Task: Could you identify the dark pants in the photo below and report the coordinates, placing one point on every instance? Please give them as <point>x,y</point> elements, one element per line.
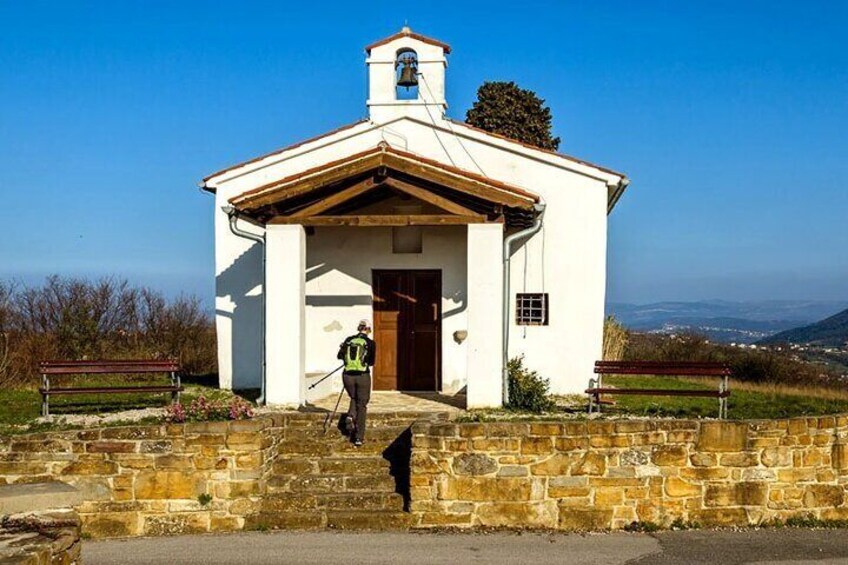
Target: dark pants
<point>358,388</point>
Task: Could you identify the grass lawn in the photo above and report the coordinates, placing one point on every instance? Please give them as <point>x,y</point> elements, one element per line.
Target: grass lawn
<point>747,400</point>
<point>19,407</point>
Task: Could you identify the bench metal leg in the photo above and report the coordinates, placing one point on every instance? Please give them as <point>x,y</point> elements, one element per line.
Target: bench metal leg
<point>176,380</point>
<point>45,397</point>
<point>591,396</point>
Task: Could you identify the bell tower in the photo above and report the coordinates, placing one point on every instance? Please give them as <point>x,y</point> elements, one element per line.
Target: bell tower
<point>406,77</point>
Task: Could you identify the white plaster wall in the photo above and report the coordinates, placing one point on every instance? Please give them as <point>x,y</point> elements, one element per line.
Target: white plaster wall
<point>485,279</point>
<point>238,304</point>
<point>339,263</point>
<point>285,319</point>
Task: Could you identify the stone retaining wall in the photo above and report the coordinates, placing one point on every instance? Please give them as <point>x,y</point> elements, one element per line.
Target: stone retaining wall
<point>151,480</point>
<point>609,474</point>
<point>164,479</point>
<point>51,536</point>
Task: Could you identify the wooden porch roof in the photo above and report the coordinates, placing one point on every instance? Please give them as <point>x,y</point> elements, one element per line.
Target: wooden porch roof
<point>325,195</point>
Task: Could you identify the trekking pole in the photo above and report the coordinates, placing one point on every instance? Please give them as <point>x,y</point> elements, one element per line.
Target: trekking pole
<point>325,377</point>
<point>336,409</point>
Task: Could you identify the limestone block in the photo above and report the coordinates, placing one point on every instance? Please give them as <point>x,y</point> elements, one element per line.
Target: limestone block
<point>669,455</point>
<point>592,463</point>
<point>496,445</point>
<point>634,457</point>
<point>534,514</point>
<point>536,445</point>
<point>742,459</point>
<point>167,485</point>
<point>90,467</point>
<point>816,496</point>
<point>738,494</point>
<point>133,432</point>
<point>485,489</point>
<point>469,430</point>
<point>776,457</point>
<point>513,471</point>
<point>839,457</point>
<point>609,497</point>
<point>713,517</point>
<point>111,524</point>
<point>722,436</point>
<point>474,464</point>
<point>571,443</point>
<point>111,447</point>
<point>430,519</point>
<point>173,523</point>
<point>676,487</point>
<point>558,464</point>
<point>699,459</point>
<point>585,519</point>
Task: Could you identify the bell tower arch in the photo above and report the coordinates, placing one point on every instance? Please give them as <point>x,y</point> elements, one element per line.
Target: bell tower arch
<point>406,77</point>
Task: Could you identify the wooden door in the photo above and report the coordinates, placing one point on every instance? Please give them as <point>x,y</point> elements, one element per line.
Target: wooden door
<point>407,329</point>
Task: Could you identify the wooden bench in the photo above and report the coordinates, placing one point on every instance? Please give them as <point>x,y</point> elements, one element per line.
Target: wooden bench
<point>60,368</point>
<point>683,369</point>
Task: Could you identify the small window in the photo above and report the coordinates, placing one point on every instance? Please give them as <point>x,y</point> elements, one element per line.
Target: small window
<point>531,309</point>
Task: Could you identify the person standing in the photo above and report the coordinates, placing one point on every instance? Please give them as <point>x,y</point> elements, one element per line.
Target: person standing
<point>358,353</point>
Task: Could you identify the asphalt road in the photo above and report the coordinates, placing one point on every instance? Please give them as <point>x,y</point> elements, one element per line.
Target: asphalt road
<point>776,547</point>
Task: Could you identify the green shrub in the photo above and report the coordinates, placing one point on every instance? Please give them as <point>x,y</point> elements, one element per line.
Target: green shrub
<point>527,390</point>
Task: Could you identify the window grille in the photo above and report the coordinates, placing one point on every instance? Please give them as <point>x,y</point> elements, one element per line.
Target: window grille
<point>531,309</point>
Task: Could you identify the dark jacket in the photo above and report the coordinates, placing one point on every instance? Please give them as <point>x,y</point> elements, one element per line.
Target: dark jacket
<point>370,353</point>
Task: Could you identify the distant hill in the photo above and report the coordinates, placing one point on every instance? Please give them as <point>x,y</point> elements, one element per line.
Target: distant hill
<point>723,321</point>
<point>830,331</point>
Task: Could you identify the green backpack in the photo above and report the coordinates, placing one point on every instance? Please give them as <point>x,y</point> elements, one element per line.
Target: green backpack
<point>356,351</point>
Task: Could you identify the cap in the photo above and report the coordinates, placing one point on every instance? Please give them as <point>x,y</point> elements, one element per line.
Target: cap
<point>364,324</point>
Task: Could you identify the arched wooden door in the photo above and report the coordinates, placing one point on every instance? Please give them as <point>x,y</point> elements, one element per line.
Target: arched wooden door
<point>407,329</point>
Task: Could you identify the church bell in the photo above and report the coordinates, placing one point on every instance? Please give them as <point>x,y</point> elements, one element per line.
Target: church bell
<point>408,74</point>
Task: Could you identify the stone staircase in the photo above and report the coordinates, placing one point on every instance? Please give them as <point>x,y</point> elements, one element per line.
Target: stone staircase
<point>321,480</point>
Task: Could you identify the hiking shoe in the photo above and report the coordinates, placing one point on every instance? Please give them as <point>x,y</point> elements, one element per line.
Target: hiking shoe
<point>349,426</point>
<point>357,443</point>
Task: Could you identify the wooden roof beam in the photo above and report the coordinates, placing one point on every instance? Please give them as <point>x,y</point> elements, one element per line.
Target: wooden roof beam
<point>430,197</point>
<point>335,199</point>
<point>377,220</point>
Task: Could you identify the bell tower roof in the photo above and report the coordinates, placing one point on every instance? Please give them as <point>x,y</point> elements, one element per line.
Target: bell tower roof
<point>406,77</point>
<point>407,32</point>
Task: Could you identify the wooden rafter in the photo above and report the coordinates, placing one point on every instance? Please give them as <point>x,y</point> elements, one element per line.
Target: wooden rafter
<point>335,199</point>
<point>273,194</point>
<point>429,196</point>
<point>387,159</point>
<point>376,220</point>
<point>453,181</point>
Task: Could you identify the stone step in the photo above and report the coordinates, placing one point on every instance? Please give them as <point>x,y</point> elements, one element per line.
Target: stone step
<point>308,502</point>
<point>338,519</point>
<point>361,501</point>
<point>369,520</point>
<point>375,419</point>
<point>286,520</point>
<point>384,434</point>
<point>355,464</point>
<point>328,446</point>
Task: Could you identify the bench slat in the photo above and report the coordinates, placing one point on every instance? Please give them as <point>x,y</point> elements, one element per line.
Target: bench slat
<point>105,390</point>
<point>659,392</point>
<point>664,371</point>
<point>105,368</point>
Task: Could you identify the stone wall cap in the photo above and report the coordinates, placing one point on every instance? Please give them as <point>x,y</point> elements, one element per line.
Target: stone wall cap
<point>37,497</point>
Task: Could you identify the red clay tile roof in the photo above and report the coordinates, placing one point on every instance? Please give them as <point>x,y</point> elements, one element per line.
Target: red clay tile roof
<point>558,154</point>
<point>386,149</point>
<point>406,32</point>
<point>287,148</point>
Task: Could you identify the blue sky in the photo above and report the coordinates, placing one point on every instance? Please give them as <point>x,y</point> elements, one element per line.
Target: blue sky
<point>731,118</point>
